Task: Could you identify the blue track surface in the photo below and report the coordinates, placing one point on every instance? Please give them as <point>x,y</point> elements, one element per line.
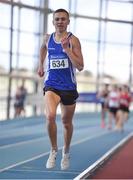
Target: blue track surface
<point>24,146</point>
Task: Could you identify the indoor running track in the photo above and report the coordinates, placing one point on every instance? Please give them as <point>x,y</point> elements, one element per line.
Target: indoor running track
<point>24,146</point>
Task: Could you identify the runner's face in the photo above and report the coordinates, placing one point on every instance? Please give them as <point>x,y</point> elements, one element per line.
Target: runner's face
<point>60,21</point>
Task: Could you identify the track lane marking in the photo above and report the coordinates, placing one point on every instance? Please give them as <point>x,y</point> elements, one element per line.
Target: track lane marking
<point>100,160</point>
<point>46,153</point>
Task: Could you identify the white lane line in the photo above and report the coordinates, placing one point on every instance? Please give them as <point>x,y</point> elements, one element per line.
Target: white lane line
<point>44,171</point>
<point>21,143</point>
<point>90,137</point>
<point>86,172</point>
<point>22,162</point>
<point>46,153</point>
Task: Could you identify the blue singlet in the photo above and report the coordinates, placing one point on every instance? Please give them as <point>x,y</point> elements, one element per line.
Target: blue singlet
<point>60,73</point>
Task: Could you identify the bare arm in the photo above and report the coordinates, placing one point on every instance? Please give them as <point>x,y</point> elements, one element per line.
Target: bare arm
<point>75,54</point>
<point>42,56</point>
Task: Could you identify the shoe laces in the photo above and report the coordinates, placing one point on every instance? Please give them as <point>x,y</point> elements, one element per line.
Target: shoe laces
<point>66,156</point>
<point>52,154</point>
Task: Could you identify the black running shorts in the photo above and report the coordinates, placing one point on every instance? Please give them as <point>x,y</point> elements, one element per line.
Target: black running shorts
<point>67,97</point>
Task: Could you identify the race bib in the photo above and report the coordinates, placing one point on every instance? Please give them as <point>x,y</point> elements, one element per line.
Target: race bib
<point>58,63</point>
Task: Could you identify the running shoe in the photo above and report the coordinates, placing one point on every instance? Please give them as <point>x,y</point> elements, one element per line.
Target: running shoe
<point>119,129</point>
<point>51,160</point>
<point>65,162</point>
